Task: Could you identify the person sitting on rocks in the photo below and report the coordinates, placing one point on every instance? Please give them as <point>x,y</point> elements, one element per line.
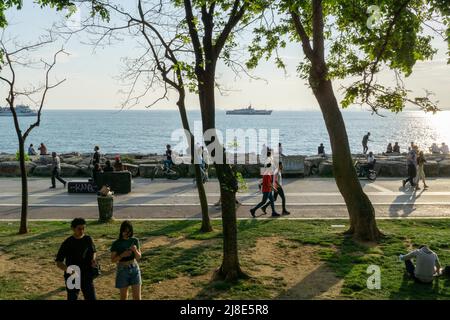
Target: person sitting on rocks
<point>118,166</point>
<point>444,148</point>
<point>434,148</point>
<point>389,148</point>
<point>31,151</point>
<point>396,148</point>
<point>108,167</point>
<point>427,264</point>
<point>43,149</point>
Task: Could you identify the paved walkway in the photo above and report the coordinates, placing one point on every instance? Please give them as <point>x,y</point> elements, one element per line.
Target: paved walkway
<point>309,198</point>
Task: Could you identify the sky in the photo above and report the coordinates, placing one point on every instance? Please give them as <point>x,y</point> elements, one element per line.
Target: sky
<point>93,77</point>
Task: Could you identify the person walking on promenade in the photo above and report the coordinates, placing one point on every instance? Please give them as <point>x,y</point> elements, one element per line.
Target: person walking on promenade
<point>43,149</point>
<point>31,151</point>
<point>321,150</point>
<point>56,171</point>
<point>263,155</point>
<point>266,189</point>
<point>396,148</point>
<point>427,264</point>
<point>412,169</point>
<point>125,251</point>
<point>421,172</point>
<point>365,140</point>
<point>278,190</point>
<point>76,257</point>
<point>95,173</point>
<point>169,161</point>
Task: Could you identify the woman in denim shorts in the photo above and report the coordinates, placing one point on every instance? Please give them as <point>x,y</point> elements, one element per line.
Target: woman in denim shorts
<point>125,251</point>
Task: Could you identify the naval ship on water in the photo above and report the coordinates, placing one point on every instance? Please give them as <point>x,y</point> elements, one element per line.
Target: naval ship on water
<point>249,111</point>
<point>21,111</point>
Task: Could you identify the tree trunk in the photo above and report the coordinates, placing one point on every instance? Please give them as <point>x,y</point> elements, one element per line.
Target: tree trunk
<point>230,269</point>
<point>362,214</point>
<point>206,223</point>
<point>23,171</point>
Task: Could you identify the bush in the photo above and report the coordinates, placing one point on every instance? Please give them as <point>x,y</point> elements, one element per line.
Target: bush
<point>27,158</point>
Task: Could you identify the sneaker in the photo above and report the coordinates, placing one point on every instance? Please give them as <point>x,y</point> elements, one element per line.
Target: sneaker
<point>264,210</point>
<point>275,214</point>
<point>417,188</point>
<point>285,213</point>
<point>425,187</point>
<point>252,212</point>
<point>65,184</point>
<point>403,183</point>
<point>52,187</point>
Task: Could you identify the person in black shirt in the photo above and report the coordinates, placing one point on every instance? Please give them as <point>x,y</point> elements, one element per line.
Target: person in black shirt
<point>321,150</point>
<point>78,252</point>
<point>95,159</point>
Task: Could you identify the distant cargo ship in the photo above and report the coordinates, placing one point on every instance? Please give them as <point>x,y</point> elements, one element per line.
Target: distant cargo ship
<point>249,111</point>
<point>21,111</point>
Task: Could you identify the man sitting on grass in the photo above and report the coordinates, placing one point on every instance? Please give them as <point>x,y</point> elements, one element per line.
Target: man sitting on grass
<point>427,264</point>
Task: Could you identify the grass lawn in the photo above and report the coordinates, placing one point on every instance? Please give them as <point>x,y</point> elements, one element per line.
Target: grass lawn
<point>286,259</point>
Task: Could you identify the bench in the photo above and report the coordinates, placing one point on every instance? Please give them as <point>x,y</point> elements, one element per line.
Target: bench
<point>81,187</point>
<point>118,181</point>
<point>293,165</point>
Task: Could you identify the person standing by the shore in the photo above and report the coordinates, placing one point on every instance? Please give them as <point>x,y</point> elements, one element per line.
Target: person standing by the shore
<point>421,174</point>
<point>412,169</point>
<point>321,150</point>
<point>365,140</point>
<point>95,159</point>
<point>125,251</point>
<point>56,171</point>
<point>266,189</point>
<point>78,251</point>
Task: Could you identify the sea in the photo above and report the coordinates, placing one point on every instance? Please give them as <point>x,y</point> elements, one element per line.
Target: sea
<point>148,131</point>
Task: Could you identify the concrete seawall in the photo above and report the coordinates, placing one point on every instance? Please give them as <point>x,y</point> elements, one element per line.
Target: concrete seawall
<point>76,165</point>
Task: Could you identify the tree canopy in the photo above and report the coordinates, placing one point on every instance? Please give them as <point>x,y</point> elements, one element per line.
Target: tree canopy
<point>360,41</point>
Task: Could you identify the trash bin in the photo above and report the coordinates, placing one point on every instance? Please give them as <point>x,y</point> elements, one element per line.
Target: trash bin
<point>105,208</point>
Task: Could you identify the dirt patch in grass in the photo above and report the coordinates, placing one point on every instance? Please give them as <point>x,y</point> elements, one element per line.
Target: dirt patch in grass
<point>296,268</point>
<point>288,269</point>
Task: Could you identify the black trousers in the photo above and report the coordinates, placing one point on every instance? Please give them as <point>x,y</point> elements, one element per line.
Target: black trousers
<point>412,172</point>
<point>277,193</point>
<point>56,174</point>
<point>86,286</point>
<point>410,268</point>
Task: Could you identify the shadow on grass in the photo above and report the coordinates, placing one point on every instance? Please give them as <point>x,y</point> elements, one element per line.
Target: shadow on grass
<point>313,285</point>
<point>410,289</point>
<point>50,294</point>
<point>27,238</point>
